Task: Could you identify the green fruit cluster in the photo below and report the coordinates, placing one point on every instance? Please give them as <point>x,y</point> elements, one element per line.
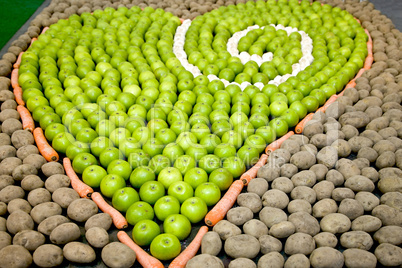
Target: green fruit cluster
<point>113,97</point>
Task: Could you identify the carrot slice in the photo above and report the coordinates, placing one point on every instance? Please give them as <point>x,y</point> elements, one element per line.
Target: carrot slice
<point>81,188</point>
<point>18,61</point>
<point>252,172</point>
<point>219,211</point>
<point>26,118</point>
<point>277,144</point>
<point>44,148</point>
<point>118,219</point>
<point>143,257</point>
<point>300,126</point>
<point>14,78</point>
<point>18,95</point>
<point>181,260</point>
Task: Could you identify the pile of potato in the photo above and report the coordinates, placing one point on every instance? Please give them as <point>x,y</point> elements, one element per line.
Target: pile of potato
<point>331,197</point>
<point>42,219</point>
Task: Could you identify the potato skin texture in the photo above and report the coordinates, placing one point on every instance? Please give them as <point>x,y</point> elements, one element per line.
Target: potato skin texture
<point>116,255</point>
<point>15,256</point>
<point>211,243</point>
<point>48,255</point>
<point>79,252</point>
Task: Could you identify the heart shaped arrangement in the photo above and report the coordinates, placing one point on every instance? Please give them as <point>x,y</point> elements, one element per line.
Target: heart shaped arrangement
<point>162,116</point>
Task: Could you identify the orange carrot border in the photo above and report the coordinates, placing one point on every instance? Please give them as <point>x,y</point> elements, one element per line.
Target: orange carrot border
<point>218,212</point>
<point>80,187</point>
<point>44,148</point>
<point>26,118</point>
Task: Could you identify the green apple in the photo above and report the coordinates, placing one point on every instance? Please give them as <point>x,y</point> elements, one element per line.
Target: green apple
<point>177,225</point>
<point>166,206</point>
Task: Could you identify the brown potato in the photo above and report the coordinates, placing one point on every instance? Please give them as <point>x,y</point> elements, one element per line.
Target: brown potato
<point>304,178</point>
<point>324,207</point>
<point>15,256</point>
<point>272,259</point>
<point>21,138</point>
<point>97,237</point>
<point>282,230</point>
<point>19,204</point>
<point>326,257</point>
<point>251,201</point>
<point>32,182</point>
<point>347,168</point>
<point>335,177</point>
<point>52,168</point>
<point>275,198</point>
<point>79,252</point>
<point>48,255</point>
<point>368,200</point>
<point>47,226</point>
<point>211,243</point>
<point>299,243</point>
<point>258,186</point>
<point>389,255</point>
<point>351,208</point>
<point>388,215</point>
<point>305,193</point>
<point>242,246</point>
<point>392,199</point>
<point>320,171</point>
<point>64,196</point>
<point>3,208</point>
<point>65,233</point>
<point>305,223</point>
<point>299,205</point>
<point>21,171</point>
<point>29,239</point>
<point>356,239</point>
<point>269,243</point>
<point>102,220</point>
<point>283,184</point>
<point>288,170</point>
<point>226,229</point>
<point>366,223</point>
<point>297,260</point>
<point>335,223</point>
<point>39,196</point>
<point>356,258</point>
<point>5,180</point>
<point>271,216</point>
<point>389,234</point>
<point>205,261</point>
<point>6,151</point>
<point>5,239</point>
<point>26,150</point>
<point>82,209</point>
<point>45,210</point>
<point>325,239</point>
<point>19,221</point>
<point>255,228</point>
<point>303,160</point>
<point>35,160</point>
<point>118,255</point>
<point>242,263</point>
<point>57,181</point>
<point>323,189</point>
<point>11,192</point>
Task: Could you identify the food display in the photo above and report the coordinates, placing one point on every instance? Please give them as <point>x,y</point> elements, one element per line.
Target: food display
<point>202,134</point>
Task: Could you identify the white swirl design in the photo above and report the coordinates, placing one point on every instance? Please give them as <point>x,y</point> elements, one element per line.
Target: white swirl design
<point>305,60</point>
